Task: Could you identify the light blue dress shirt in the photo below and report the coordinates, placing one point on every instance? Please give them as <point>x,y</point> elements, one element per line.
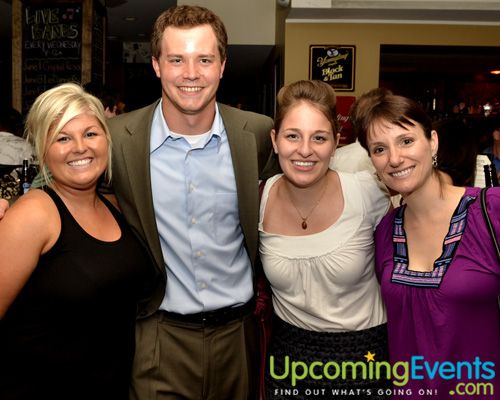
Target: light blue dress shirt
<point>196,210</point>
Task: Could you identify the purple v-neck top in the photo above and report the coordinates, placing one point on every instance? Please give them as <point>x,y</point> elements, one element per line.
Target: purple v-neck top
<point>449,315</point>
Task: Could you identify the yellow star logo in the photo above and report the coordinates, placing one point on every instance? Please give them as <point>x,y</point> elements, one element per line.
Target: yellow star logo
<point>370,356</point>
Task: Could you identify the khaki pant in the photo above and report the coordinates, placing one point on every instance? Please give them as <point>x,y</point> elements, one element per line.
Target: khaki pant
<point>176,360</point>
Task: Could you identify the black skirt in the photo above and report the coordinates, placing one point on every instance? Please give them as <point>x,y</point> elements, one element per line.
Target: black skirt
<point>304,364</point>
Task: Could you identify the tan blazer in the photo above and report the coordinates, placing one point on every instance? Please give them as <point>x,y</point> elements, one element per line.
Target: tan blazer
<point>251,151</point>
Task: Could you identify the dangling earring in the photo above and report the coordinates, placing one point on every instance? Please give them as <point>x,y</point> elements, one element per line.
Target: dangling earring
<point>434,161</point>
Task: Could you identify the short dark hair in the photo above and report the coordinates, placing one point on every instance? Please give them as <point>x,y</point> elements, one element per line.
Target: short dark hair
<point>495,126</point>
<point>188,17</point>
<point>107,96</point>
<point>11,121</point>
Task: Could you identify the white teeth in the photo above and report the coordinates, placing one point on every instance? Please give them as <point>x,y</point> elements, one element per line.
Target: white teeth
<point>78,163</point>
<point>190,88</point>
<point>304,163</point>
<point>401,173</point>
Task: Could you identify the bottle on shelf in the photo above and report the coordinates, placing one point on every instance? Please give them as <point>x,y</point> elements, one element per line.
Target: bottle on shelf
<point>490,175</point>
<point>24,181</point>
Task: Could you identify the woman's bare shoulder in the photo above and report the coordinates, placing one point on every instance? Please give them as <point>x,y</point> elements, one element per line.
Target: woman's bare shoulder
<point>33,215</point>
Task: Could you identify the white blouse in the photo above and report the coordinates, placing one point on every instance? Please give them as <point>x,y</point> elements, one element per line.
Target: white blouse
<point>326,281</point>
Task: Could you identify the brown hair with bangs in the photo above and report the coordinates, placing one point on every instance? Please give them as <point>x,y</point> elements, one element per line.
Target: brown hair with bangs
<point>382,105</point>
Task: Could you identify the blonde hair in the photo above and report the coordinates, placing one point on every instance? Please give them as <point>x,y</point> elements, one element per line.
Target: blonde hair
<point>51,111</point>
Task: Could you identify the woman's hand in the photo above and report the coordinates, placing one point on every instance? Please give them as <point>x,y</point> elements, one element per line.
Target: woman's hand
<point>4,206</point>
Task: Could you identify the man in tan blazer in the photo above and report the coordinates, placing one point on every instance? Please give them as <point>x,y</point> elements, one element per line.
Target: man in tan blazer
<point>186,172</point>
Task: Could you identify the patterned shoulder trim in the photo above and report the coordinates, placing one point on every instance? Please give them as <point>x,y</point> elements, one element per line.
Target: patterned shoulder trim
<point>432,279</point>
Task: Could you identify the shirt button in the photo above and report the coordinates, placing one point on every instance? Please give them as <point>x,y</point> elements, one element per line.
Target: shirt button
<point>203,285</point>
<point>191,188</point>
<point>193,220</point>
<point>199,253</point>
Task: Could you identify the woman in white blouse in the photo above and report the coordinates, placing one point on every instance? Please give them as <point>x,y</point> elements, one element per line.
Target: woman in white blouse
<point>316,245</point>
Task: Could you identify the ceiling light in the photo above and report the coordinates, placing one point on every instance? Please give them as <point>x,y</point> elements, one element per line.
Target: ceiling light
<point>495,72</point>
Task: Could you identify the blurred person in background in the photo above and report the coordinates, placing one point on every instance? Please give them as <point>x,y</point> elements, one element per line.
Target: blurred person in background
<point>353,157</point>
<point>108,98</point>
<point>457,151</point>
<point>13,148</point>
<point>493,151</point>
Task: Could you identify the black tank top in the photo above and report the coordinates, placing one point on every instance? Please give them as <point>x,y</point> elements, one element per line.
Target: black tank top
<point>70,332</point>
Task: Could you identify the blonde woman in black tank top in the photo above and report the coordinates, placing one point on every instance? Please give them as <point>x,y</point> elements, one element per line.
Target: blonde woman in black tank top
<point>71,270</point>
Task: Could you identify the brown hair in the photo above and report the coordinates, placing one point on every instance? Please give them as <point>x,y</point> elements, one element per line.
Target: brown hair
<point>318,93</point>
<point>381,104</point>
<point>188,17</point>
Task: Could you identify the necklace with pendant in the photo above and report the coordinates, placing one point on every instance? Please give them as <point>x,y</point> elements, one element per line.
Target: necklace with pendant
<point>304,219</point>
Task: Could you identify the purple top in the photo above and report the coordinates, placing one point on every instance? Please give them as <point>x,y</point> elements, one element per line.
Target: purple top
<point>449,315</point>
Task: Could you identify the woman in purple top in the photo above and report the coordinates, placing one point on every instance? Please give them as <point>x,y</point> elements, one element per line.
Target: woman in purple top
<point>435,260</point>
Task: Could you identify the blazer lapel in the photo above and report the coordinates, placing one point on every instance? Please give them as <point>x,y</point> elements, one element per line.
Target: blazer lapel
<point>244,156</point>
<point>135,149</point>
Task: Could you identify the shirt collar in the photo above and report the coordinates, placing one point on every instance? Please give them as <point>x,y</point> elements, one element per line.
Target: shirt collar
<point>160,131</point>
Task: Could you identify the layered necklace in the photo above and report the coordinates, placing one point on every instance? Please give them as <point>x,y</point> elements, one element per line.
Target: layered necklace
<point>304,218</point>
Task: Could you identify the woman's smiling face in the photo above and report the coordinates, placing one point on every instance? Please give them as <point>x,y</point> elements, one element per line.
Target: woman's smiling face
<point>304,144</point>
<point>79,154</point>
<point>402,155</point>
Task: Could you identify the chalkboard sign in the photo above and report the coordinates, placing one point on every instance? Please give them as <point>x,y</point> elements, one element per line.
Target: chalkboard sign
<point>333,64</point>
<point>98,43</point>
<point>51,47</point>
